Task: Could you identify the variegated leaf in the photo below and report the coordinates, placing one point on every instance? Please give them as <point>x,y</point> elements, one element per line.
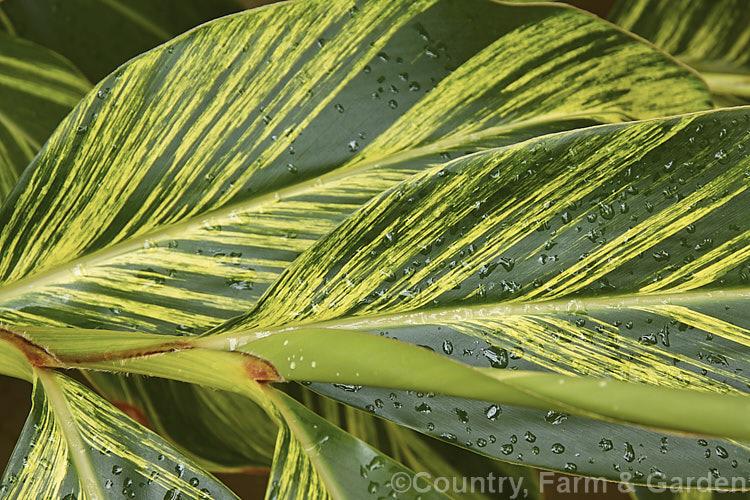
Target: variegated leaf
<point>173,213</point>
<point>76,445</point>
<point>712,37</point>
<point>316,460</point>
<point>37,89</point>
<point>169,214</point>
<point>614,252</point>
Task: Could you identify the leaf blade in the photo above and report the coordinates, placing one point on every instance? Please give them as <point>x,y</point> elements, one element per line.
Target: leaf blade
<point>105,444</point>
<point>518,260</point>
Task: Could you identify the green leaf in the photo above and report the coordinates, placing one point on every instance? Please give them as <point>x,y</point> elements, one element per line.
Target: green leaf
<point>175,205</point>
<point>419,452</point>
<point>221,430</point>
<point>315,459</point>
<point>12,360</point>
<point>76,445</point>
<point>171,213</point>
<point>615,252</point>
<point>98,36</point>
<point>712,37</point>
<point>374,361</point>
<point>38,88</point>
<point>306,464</point>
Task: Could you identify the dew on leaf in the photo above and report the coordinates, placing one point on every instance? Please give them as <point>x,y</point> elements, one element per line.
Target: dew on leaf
<point>555,418</point>
<point>493,411</point>
<point>423,408</point>
<point>629,455</point>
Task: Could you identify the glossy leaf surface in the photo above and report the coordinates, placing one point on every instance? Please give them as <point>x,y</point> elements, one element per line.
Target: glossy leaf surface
<point>315,459</point>
<point>173,213</point>
<point>613,252</point>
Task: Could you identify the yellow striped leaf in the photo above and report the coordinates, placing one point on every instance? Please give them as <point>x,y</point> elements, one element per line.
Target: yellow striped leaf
<point>171,213</point>
<point>316,460</point>
<point>712,37</point>
<point>179,189</point>
<point>615,252</point>
<point>37,89</point>
<point>76,445</point>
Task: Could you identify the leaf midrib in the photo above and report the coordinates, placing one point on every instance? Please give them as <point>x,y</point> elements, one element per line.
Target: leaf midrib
<point>59,272</point>
<point>299,433</point>
<point>77,451</point>
<point>464,313</point>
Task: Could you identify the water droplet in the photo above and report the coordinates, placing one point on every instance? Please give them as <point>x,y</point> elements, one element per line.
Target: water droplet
<point>722,156</point>
<point>116,470</point>
<point>339,108</point>
<point>555,418</point>
<point>506,449</point>
<point>629,455</point>
<point>606,444</point>
<point>661,256</point>
<point>721,452</point>
<point>423,408</point>
<point>557,448</point>
<point>529,436</point>
<point>571,467</point>
<point>493,412</point>
<point>463,417</point>
<point>376,463</point>
<point>447,347</point>
<point>414,86</point>
<point>392,104</point>
<point>353,146</point>
<point>348,387</point>
<point>173,494</point>
<point>497,356</point>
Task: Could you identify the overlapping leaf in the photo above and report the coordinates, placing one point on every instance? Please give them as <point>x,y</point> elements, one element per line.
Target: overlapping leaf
<point>76,445</point>
<point>100,35</point>
<point>37,89</point>
<point>161,212</point>
<point>314,459</point>
<point>713,37</point>
<point>153,211</point>
<point>221,430</point>
<point>614,252</point>
<point>422,453</point>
